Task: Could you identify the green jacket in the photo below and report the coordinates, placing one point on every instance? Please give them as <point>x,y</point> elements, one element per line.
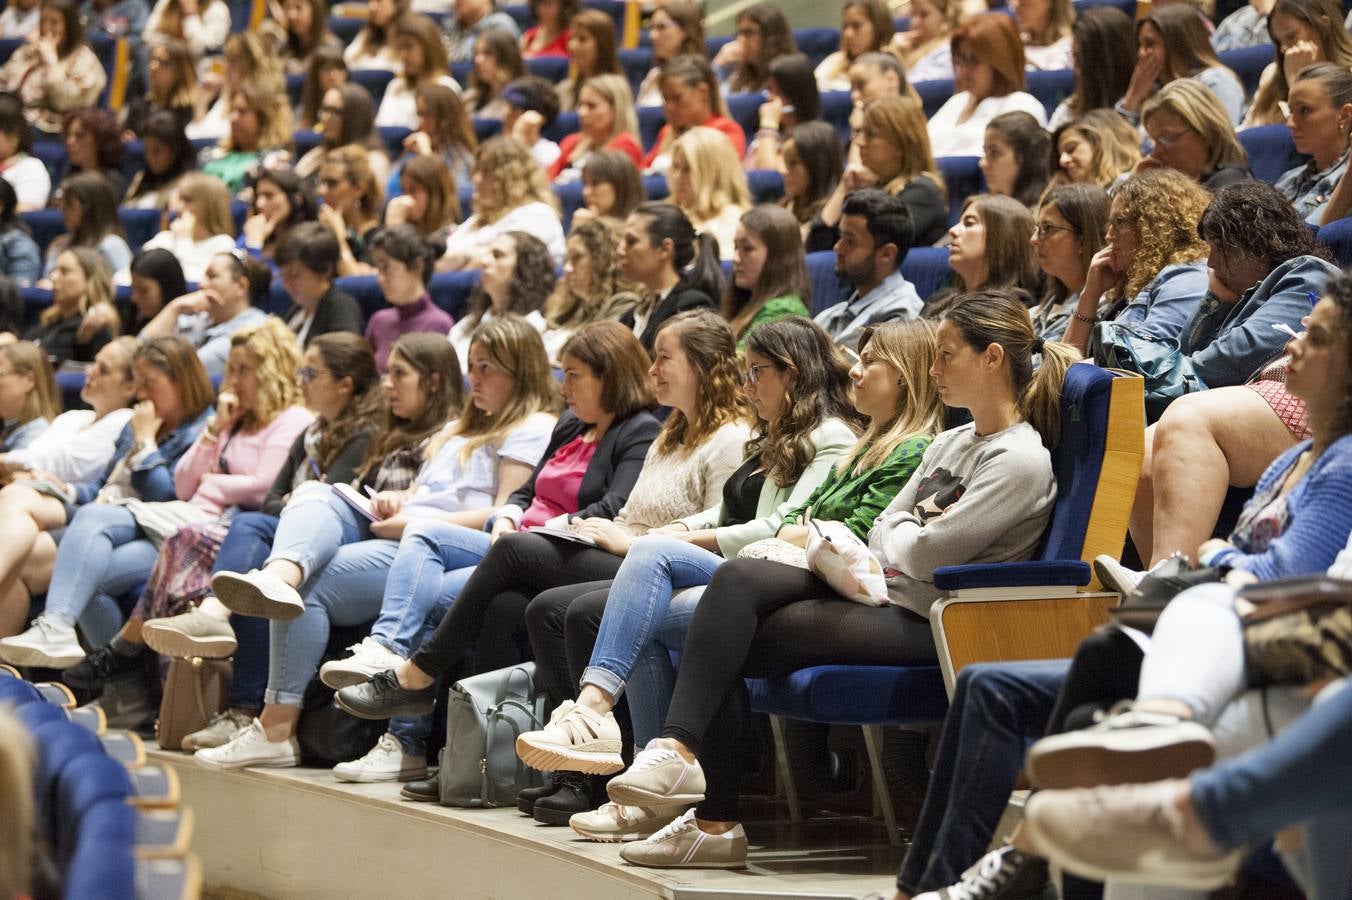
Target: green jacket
<point>774,308</point>
<point>858,498</point>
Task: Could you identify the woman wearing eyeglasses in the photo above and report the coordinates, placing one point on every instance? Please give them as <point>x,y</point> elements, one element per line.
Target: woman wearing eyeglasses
<point>110,548</point>
<point>1191,133</point>
<point>346,116</point>
<point>1069,231</point>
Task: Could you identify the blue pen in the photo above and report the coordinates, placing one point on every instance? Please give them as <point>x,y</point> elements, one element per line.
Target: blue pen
<point>314,467</point>
<point>1314,298</point>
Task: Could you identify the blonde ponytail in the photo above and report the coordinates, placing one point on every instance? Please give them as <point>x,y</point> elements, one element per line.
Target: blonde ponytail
<point>16,807</point>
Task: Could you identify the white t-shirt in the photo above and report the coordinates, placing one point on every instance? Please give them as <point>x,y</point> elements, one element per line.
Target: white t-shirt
<point>948,138</point>
<point>446,484</point>
<point>74,448</point>
<point>32,184</point>
<point>399,106</point>
<point>536,218</point>
<point>192,255</point>
<point>15,23</point>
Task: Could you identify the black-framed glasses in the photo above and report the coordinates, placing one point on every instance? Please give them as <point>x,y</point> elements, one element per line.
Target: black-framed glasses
<point>330,110</point>
<point>1044,230</point>
<point>307,374</point>
<point>752,373</point>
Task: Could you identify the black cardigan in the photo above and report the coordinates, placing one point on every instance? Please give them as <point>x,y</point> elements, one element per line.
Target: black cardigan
<point>341,471</point>
<point>337,311</point>
<point>613,469</point>
<point>678,301</point>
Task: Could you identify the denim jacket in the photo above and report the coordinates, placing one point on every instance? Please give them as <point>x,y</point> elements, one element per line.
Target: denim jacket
<point>1228,342</point>
<point>153,475</point>
<point>1310,190</point>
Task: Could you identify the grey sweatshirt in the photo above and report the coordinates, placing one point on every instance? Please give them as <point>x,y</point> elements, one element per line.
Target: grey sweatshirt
<point>973,500</point>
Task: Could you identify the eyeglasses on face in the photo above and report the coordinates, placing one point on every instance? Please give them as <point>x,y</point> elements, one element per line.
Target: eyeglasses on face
<point>307,374</point>
<point>752,373</point>
<point>1044,230</point>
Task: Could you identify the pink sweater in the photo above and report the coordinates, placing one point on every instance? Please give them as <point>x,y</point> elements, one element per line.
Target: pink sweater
<point>252,462</point>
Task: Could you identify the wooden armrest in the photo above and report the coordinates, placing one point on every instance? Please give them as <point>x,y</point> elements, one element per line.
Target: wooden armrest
<point>986,629</point>
<point>57,693</point>
<point>91,718</point>
<point>163,833</point>
<point>169,879</point>
<point>156,787</point>
<point>6,669</point>
<point>125,747</point>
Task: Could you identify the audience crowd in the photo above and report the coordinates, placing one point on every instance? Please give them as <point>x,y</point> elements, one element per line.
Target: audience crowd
<point>483,338</point>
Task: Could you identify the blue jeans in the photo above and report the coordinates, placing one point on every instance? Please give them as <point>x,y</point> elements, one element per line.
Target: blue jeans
<point>429,553</point>
<point>1300,776</point>
<point>655,567</point>
<point>412,731</point>
<point>347,592</point>
<point>654,676</point>
<point>996,712</point>
<point>103,555</point>
<point>312,528</point>
<point>245,547</point>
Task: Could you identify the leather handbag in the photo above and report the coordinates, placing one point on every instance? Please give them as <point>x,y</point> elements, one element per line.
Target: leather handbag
<point>195,690</point>
<point>484,715</point>
<point>1168,373</point>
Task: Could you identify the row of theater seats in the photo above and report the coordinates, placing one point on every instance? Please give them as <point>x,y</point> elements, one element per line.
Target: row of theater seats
<point>113,824</point>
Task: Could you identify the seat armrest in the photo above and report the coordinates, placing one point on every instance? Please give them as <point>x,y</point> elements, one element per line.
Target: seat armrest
<point>1012,574</point>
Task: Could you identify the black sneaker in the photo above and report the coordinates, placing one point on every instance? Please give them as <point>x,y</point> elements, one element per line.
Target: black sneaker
<point>1002,874</point>
<point>383,698</point>
<point>526,798</point>
<point>427,790</point>
<point>576,793</point>
<point>101,665</point>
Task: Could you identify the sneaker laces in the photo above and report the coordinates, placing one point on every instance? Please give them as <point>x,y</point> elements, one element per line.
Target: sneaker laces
<point>990,873</point>
<point>675,827</point>
<point>47,627</point>
<point>388,745</point>
<point>652,757</point>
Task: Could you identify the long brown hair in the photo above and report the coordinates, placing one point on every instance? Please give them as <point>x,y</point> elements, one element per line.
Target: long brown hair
<point>443,202</point>
<point>616,357</point>
<point>43,401</point>
<point>177,360</point>
<point>711,349</point>
<point>784,273</point>
<point>438,367</point>
<point>820,390</point>
<point>347,355</point>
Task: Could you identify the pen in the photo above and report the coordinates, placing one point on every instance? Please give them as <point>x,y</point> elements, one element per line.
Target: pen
<point>314,467</point>
<point>1314,298</point>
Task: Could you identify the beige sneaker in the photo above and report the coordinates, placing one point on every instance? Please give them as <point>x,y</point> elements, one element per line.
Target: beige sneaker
<point>616,822</point>
<point>660,776</point>
<point>218,731</point>
<point>257,593</point>
<point>193,633</point>
<point>577,739</point>
<point>682,845</point>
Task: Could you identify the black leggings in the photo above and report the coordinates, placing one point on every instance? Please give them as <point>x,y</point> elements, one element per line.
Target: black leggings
<point>517,568</point>
<point>761,619</point>
<point>563,623</point>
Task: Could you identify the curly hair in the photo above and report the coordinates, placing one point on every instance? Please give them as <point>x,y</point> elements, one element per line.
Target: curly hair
<point>1253,219</point>
<point>102,126</point>
<point>1339,290</point>
<point>532,280</point>
<point>1165,207</point>
<point>711,350</point>
<point>515,177</point>
<point>347,355</point>
<point>599,239</point>
<point>820,390</point>
<point>276,355</point>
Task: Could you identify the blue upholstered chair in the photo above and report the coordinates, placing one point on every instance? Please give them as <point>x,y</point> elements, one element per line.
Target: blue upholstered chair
<point>570,200</point>
<point>650,122</point>
<point>962,175</point>
<point>551,68</point>
<point>744,109</point>
<point>374,80</point>
<point>52,154</point>
<point>346,28</point>
<point>836,108</point>
<point>140,225</point>
<point>393,138</point>
<point>15,692</point>
<point>1128,7</point>
<point>1271,151</point>
<point>827,289</point>
<point>926,268</point>
<point>767,185</point>
<point>1003,611</point>
<point>1248,63</point>
<point>101,861</point>
<point>562,126</point>
<point>933,94</point>
<point>46,225</point>
<point>1337,236</point>
<point>636,63</point>
<point>817,43</point>
<point>1051,87</point>
<point>7,48</point>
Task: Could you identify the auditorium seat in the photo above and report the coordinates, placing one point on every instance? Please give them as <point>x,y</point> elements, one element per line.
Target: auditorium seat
<point>7,48</point>
<point>374,80</point>
<point>52,154</point>
<point>306,139</point>
<point>836,109</point>
<point>744,109</point>
<point>140,225</point>
<point>1051,87</point>
<point>655,187</point>
<point>346,28</point>
<point>962,175</point>
<point>817,43</point>
<point>826,288</point>
<point>1271,151</point>
<point>1128,7</point>
<point>1248,63</point>
<point>561,127</point>
<point>485,128</point>
<point>520,13</point>
<point>46,225</point>
<point>933,94</point>
<point>1096,462</point>
<point>767,185</point>
<point>295,86</point>
<point>926,268</point>
<point>570,200</point>
<point>636,63</point>
<point>393,138</point>
<point>650,122</point>
<point>551,68</point>
<point>1337,236</point>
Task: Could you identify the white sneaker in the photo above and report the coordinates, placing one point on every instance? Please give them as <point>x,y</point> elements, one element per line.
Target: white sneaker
<point>1116,577</point>
<point>683,845</point>
<point>220,730</point>
<point>251,748</point>
<point>257,593</point>
<point>577,739</point>
<point>386,761</point>
<point>616,822</point>
<point>368,658</point>
<point>660,776</point>
<point>46,643</point>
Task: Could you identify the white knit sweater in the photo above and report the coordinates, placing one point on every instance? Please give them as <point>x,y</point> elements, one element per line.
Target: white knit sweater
<point>678,484</point>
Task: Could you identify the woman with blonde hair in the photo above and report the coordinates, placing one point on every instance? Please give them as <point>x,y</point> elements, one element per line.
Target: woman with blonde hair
<point>80,282</point>
<point>925,49</point>
<point>29,401</point>
<point>350,205</point>
<point>229,468</point>
<point>171,85</point>
<point>866,26</point>
<point>1304,32</point>
<point>895,155</point>
<point>511,193</point>
<point>422,58</point>
<point>260,128</point>
<point>606,121</point>
<point>1152,271</point>
<point>247,60</point>
<point>1098,148</point>
<point>1173,42</point>
<point>593,289</point>
<point>1044,28</point>
<point>708,184</point>
<point>329,565</point>
<point>203,227</point>
<point>591,48</point>
<point>1192,134</point>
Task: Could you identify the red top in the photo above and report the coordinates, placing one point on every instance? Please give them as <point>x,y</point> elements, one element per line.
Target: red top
<point>722,123</point>
<point>558,47</point>
<point>559,481</point>
<point>568,146</point>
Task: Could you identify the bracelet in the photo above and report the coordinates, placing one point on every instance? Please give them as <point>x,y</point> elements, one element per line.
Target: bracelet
<point>764,133</point>
<point>1088,320</point>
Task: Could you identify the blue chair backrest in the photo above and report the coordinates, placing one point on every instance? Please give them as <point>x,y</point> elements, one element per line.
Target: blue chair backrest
<point>460,71</point>
<point>650,122</point>
<point>1248,63</point>
<point>570,200</point>
<point>827,289</point>
<point>374,80</point>
<point>1271,151</point>
<point>520,12</point>
<point>836,109</point>
<point>562,126</point>
<point>52,154</point>
<point>1128,7</point>
<point>451,290</point>
<point>60,743</point>
<point>1337,236</point>
<point>7,48</point>
<point>962,175</point>
<point>613,8</point>
<point>636,63</point>
<point>93,781</point>
<point>744,109</point>
<point>35,715</point>
<point>14,692</point>
<point>241,11</point>
<point>1078,459</point>
<point>655,187</point>
<point>295,86</point>
<point>485,128</point>
<point>306,139</point>
<point>1051,87</point>
<point>393,136</point>
<point>140,225</point>
<point>101,861</point>
<point>346,27</point>
<point>133,157</point>
<point>550,68</point>
<point>46,225</point>
<point>934,94</point>
<point>817,43</point>
<point>767,185</point>
<point>34,301</point>
<point>105,48</point>
<point>713,44</point>
<point>926,268</point>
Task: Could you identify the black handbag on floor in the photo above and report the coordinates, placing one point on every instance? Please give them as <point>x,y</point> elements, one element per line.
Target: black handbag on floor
<point>327,735</point>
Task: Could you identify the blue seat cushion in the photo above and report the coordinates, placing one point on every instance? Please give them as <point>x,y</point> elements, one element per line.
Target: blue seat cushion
<point>854,695</point>
<point>1014,574</point>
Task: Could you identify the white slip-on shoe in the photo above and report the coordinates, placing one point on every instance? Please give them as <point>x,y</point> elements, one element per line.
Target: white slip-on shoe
<point>577,739</point>
<point>386,761</point>
<point>46,643</point>
<point>257,593</point>
<point>660,776</point>
<point>250,748</point>
<point>368,658</point>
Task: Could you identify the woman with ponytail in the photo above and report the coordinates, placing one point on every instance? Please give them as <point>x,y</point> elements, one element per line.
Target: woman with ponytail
<point>675,267</point>
<point>981,493</point>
